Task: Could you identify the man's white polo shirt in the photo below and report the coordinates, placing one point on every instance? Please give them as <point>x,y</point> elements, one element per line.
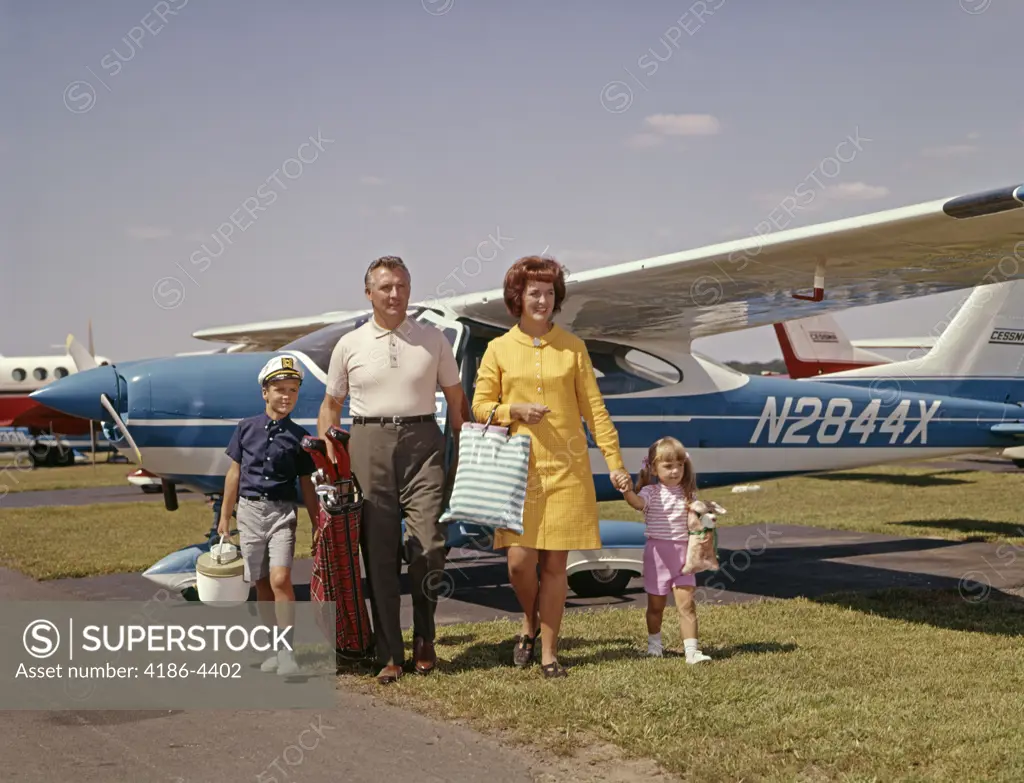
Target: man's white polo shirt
<point>391,372</point>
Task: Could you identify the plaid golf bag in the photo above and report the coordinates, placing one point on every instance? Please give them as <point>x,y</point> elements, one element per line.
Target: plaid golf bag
<point>336,573</point>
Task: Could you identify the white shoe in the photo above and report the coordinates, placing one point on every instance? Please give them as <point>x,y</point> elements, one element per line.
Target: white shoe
<point>696,656</point>
<point>286,663</point>
<point>655,651</point>
<point>269,665</point>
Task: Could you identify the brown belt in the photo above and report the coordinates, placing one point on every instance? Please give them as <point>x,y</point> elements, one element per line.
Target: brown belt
<point>392,419</point>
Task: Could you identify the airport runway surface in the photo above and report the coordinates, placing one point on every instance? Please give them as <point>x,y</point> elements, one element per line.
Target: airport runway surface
<point>86,496</point>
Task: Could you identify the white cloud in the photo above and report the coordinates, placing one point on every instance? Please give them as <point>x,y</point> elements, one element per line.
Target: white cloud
<point>856,191</point>
<point>398,209</point>
<point>369,179</point>
<point>683,124</point>
<point>949,151</point>
<point>148,232</point>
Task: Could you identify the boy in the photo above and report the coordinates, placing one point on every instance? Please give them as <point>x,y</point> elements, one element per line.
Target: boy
<point>267,457</point>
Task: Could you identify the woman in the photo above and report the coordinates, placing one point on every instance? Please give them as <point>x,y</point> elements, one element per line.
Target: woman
<point>537,378</point>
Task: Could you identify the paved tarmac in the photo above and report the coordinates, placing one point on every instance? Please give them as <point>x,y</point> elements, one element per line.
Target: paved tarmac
<point>88,495</point>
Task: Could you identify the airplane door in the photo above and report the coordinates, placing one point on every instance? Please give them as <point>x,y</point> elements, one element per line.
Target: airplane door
<point>457,336</point>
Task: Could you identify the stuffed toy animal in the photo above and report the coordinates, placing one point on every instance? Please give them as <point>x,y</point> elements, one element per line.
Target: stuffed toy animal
<point>702,548</point>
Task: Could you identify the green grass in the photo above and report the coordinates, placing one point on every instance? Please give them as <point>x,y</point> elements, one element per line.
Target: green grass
<point>16,477</point>
<point>889,686</point>
<point>106,538</point>
<point>895,500</point>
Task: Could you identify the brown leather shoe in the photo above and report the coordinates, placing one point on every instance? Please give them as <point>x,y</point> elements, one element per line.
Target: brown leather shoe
<point>389,674</point>
<point>424,655</point>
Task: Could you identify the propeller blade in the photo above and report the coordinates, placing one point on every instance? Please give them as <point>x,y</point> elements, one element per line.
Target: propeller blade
<point>79,355</point>
<point>92,350</point>
<point>105,402</point>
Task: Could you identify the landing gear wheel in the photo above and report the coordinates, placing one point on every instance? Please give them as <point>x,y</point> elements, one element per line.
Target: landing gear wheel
<point>190,593</point>
<point>600,583</point>
<point>1019,463</point>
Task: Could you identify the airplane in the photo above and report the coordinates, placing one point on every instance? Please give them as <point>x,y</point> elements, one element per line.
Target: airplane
<point>29,425</point>
<point>639,320</point>
<point>817,347</point>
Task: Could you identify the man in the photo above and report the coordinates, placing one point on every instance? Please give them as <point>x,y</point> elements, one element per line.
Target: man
<point>390,368</point>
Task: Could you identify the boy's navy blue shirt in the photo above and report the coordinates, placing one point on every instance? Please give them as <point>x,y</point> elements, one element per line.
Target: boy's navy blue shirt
<point>271,455</point>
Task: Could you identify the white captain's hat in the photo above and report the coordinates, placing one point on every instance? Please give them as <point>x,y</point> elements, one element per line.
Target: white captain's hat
<point>279,368</point>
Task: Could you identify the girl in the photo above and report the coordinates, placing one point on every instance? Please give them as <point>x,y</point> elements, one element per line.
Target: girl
<point>665,506</point>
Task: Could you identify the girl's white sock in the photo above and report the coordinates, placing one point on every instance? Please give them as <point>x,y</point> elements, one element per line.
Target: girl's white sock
<point>689,644</point>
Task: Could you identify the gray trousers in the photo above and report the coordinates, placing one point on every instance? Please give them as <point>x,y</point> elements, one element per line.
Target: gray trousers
<point>400,468</point>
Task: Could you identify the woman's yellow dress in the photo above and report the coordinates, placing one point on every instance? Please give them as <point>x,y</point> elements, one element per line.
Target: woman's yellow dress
<point>555,370</point>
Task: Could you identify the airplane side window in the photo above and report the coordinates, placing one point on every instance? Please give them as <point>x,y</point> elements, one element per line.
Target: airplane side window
<point>628,370</point>
<point>39,373</point>
<point>60,372</point>
<point>19,374</point>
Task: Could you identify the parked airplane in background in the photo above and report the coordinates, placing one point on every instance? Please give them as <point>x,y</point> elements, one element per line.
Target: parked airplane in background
<point>28,424</point>
<point>818,348</point>
<point>638,320</point>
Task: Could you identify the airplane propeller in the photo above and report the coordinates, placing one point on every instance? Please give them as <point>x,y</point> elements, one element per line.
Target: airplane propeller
<point>106,403</point>
<point>85,359</point>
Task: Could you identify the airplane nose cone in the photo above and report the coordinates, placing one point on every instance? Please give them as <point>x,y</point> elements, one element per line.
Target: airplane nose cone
<point>79,394</point>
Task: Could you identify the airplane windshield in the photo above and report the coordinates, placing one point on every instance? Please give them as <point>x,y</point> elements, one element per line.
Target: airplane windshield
<point>319,345</point>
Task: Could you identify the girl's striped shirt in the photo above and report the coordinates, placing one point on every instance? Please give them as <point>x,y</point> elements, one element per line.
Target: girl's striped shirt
<point>665,512</point>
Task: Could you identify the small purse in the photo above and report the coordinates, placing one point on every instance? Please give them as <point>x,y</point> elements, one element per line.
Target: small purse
<point>491,478</point>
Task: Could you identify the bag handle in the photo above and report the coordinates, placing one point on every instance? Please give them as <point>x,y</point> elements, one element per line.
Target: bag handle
<point>220,551</point>
<point>490,416</point>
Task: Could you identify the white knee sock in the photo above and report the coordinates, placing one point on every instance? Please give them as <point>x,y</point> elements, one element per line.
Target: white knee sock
<point>689,644</point>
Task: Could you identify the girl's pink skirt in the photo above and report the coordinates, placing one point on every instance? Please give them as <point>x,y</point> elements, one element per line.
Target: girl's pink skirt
<point>663,566</point>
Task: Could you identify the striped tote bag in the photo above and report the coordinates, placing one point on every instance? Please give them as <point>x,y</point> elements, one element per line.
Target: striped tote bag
<point>491,479</point>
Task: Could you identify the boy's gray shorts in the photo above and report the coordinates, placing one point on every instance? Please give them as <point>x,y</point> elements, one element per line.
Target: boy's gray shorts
<point>266,534</point>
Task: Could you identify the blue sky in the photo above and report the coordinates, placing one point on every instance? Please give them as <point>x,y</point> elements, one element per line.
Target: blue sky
<point>602,131</point>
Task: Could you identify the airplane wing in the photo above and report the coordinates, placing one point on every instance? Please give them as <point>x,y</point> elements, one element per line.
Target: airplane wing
<point>924,249</point>
<point>270,335</point>
<point>919,250</point>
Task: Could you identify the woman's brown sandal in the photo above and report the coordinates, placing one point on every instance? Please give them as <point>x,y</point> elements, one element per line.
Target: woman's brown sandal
<point>554,669</point>
<point>522,656</point>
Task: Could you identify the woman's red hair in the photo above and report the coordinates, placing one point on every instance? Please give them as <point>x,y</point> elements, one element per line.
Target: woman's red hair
<point>537,269</point>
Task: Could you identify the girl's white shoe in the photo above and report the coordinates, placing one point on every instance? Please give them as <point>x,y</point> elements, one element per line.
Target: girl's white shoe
<point>696,656</point>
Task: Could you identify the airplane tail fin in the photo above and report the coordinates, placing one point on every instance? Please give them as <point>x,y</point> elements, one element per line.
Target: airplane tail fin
<point>817,346</point>
<point>980,354</point>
